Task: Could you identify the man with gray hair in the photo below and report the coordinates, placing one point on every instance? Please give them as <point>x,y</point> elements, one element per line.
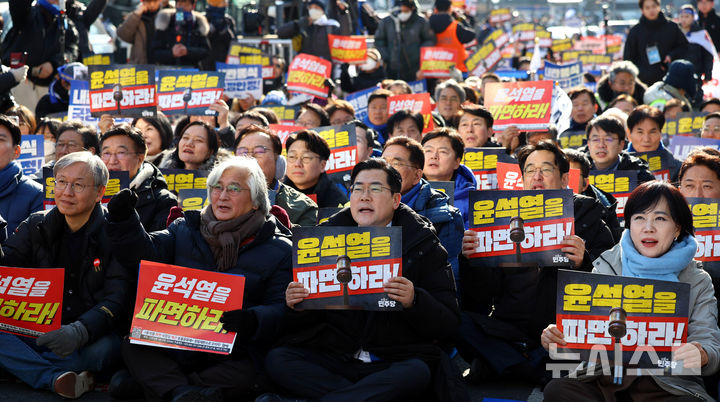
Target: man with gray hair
<point>621,79</point>
<point>72,236</point>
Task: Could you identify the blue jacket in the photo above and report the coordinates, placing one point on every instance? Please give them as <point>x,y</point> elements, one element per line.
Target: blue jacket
<point>447,219</point>
<point>265,262</point>
<point>19,196</point>
<point>464,183</point>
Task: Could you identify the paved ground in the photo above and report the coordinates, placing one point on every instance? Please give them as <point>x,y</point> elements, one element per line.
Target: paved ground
<point>488,392</point>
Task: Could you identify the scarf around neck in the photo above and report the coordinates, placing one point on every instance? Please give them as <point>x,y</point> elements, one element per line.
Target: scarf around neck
<point>666,267</point>
<point>225,237</point>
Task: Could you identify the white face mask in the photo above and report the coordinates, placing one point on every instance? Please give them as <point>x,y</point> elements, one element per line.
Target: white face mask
<point>315,13</point>
<point>369,65</point>
<point>405,16</point>
<point>49,147</point>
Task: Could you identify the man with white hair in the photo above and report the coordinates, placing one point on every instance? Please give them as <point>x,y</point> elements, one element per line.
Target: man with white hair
<point>72,236</point>
<point>621,79</point>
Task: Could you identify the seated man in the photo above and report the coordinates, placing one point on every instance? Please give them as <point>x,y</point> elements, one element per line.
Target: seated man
<point>506,343</point>
<point>360,355</point>
<point>444,150</point>
<point>405,123</point>
<point>475,127</point>
<point>408,158</point>
<point>72,235</point>
<point>123,148</point>
<point>645,124</point>
<point>265,146</point>
<point>19,195</point>
<point>606,141</point>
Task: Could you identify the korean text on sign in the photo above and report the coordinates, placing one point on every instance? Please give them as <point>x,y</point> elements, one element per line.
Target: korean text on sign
<point>435,62</point>
<point>348,49</point>
<point>30,300</point>
<point>522,104</point>
<point>343,149</point>
<point>375,255</point>
<point>180,308</point>
<point>181,179</point>
<point>190,93</point>
<point>132,85</point>
<point>307,75</point>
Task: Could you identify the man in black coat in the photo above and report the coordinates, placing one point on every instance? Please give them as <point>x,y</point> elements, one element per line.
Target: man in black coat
<point>181,42</point>
<point>522,300</point>
<point>72,236</point>
<point>709,20</point>
<point>372,355</point>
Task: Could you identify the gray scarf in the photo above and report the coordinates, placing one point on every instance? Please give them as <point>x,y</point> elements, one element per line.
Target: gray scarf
<point>224,237</point>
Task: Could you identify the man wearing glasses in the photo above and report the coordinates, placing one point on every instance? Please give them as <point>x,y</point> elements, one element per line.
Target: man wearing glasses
<point>522,300</point>
<point>73,236</point>
<point>408,158</point>
<point>73,136</point>
<point>265,146</point>
<point>360,355</point>
<point>19,195</point>
<point>123,148</point>
<point>606,142</point>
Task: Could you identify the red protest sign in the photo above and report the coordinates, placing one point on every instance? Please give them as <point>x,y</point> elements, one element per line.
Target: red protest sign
<point>180,308</point>
<point>348,49</point>
<point>416,103</point>
<point>30,300</point>
<point>123,90</point>
<point>435,62</point>
<point>307,75</point>
<point>284,130</point>
<point>509,177</point>
<point>524,104</point>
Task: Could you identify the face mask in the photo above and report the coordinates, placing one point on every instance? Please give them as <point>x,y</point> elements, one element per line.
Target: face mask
<point>49,147</point>
<point>405,16</point>
<point>369,65</point>
<point>315,13</point>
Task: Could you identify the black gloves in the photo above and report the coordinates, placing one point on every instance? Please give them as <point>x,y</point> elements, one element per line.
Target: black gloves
<point>64,341</point>
<point>244,322</point>
<point>122,205</point>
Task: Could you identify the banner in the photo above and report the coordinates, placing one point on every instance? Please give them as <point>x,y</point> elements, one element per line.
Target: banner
<point>523,104</point>
<point>567,76</point>
<point>707,228</point>
<point>180,308</point>
<point>619,183</point>
<point>182,179</point>
<point>307,75</point>
<point>435,62</point>
<point>499,36</point>
<point>32,153</point>
<point>359,101</point>
<point>189,93</point>
<point>592,44</point>
<point>657,316</point>
<point>572,139</point>
<point>548,218</point>
<point>118,180</point>
<point>375,254</point>
<point>500,15</point>
<point>561,45</point>
<point>416,103</point>
<point>572,55</point>
<point>524,32</point>
<point>284,130</point>
<point>241,80</point>
<point>249,55</point>
<point>658,163</point>
<point>285,113</point>
<point>122,90</point>
<point>483,163</point>
<point>348,49</point>
<point>594,62</point>
<point>681,146</point>
<point>447,187</point>
<point>98,60</point>
<point>31,300</point>
<point>418,86</point>
<point>509,177</point>
<point>484,59</point>
<point>689,123</point>
<point>192,199</point>
<point>343,150</point>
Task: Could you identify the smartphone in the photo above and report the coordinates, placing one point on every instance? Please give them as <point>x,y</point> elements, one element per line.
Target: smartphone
<point>18,59</point>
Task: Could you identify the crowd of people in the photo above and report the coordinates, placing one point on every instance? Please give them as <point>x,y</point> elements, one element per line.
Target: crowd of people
<point>259,187</point>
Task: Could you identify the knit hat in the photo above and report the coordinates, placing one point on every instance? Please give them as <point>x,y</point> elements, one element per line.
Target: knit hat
<point>275,98</point>
<point>317,3</point>
<point>681,75</point>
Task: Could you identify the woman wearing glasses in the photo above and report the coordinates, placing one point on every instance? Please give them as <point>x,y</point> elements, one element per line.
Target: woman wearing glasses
<point>645,124</point>
<point>605,142</point>
<point>234,234</point>
<point>307,157</point>
<point>123,148</point>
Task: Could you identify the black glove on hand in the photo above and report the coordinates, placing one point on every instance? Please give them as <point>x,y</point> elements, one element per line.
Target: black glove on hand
<point>122,205</point>
<point>64,341</point>
<point>243,322</point>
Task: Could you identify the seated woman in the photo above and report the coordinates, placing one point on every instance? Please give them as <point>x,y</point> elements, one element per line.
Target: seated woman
<point>197,149</point>
<point>658,244</point>
<point>307,156</point>
<point>158,135</point>
<point>234,234</point>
